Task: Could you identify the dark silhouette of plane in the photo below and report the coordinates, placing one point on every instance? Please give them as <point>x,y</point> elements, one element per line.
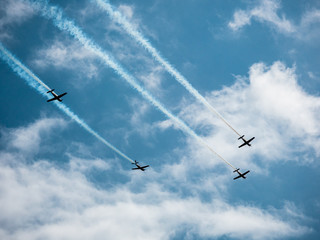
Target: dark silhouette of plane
<point>240,174</point>
<point>245,141</point>
<point>55,96</point>
<point>138,166</point>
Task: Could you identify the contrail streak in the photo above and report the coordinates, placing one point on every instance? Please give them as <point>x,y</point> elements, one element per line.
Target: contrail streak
<point>34,82</point>
<point>144,42</point>
<point>56,15</point>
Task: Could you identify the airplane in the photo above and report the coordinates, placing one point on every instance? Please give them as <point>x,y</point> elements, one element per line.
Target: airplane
<point>138,166</point>
<point>55,96</point>
<point>240,174</point>
<point>245,141</point>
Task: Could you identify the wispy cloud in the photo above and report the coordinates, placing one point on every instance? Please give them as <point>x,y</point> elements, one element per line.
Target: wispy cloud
<point>65,54</point>
<point>13,12</point>
<point>27,139</point>
<point>84,165</point>
<point>309,25</point>
<point>266,11</point>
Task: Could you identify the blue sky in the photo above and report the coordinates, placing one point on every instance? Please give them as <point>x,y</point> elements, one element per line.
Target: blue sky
<point>255,62</point>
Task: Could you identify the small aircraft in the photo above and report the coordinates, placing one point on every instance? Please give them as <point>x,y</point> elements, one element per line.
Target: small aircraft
<point>138,166</point>
<point>240,174</point>
<point>245,141</point>
<point>55,96</point>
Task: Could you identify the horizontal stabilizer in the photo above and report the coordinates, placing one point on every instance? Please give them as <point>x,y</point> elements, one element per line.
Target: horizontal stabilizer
<point>241,137</point>
<point>50,91</point>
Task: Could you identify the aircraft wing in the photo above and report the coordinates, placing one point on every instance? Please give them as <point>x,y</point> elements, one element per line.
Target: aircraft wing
<point>135,168</point>
<point>61,95</point>
<point>145,166</point>
<point>237,177</point>
<point>251,139</point>
<point>242,145</point>
<point>52,99</point>
<point>245,172</point>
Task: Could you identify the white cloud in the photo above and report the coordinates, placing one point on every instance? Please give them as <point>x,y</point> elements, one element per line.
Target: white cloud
<point>42,201</point>
<point>163,125</point>
<point>126,10</point>
<point>310,17</point>
<point>64,54</point>
<point>309,25</point>
<point>140,109</point>
<point>152,77</point>
<point>240,19</point>
<point>267,12</point>
<point>28,139</point>
<point>13,12</point>
<point>277,92</point>
<point>269,105</point>
<point>83,165</point>
<point>312,75</point>
<point>140,112</point>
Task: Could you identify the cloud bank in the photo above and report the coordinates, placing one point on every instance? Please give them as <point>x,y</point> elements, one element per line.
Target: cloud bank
<point>42,200</point>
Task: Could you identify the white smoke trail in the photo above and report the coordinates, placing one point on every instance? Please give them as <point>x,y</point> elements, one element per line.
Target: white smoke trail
<point>144,42</point>
<point>56,15</point>
<point>33,81</point>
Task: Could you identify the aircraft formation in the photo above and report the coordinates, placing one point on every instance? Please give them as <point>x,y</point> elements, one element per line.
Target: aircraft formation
<point>76,32</point>
<point>142,168</point>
